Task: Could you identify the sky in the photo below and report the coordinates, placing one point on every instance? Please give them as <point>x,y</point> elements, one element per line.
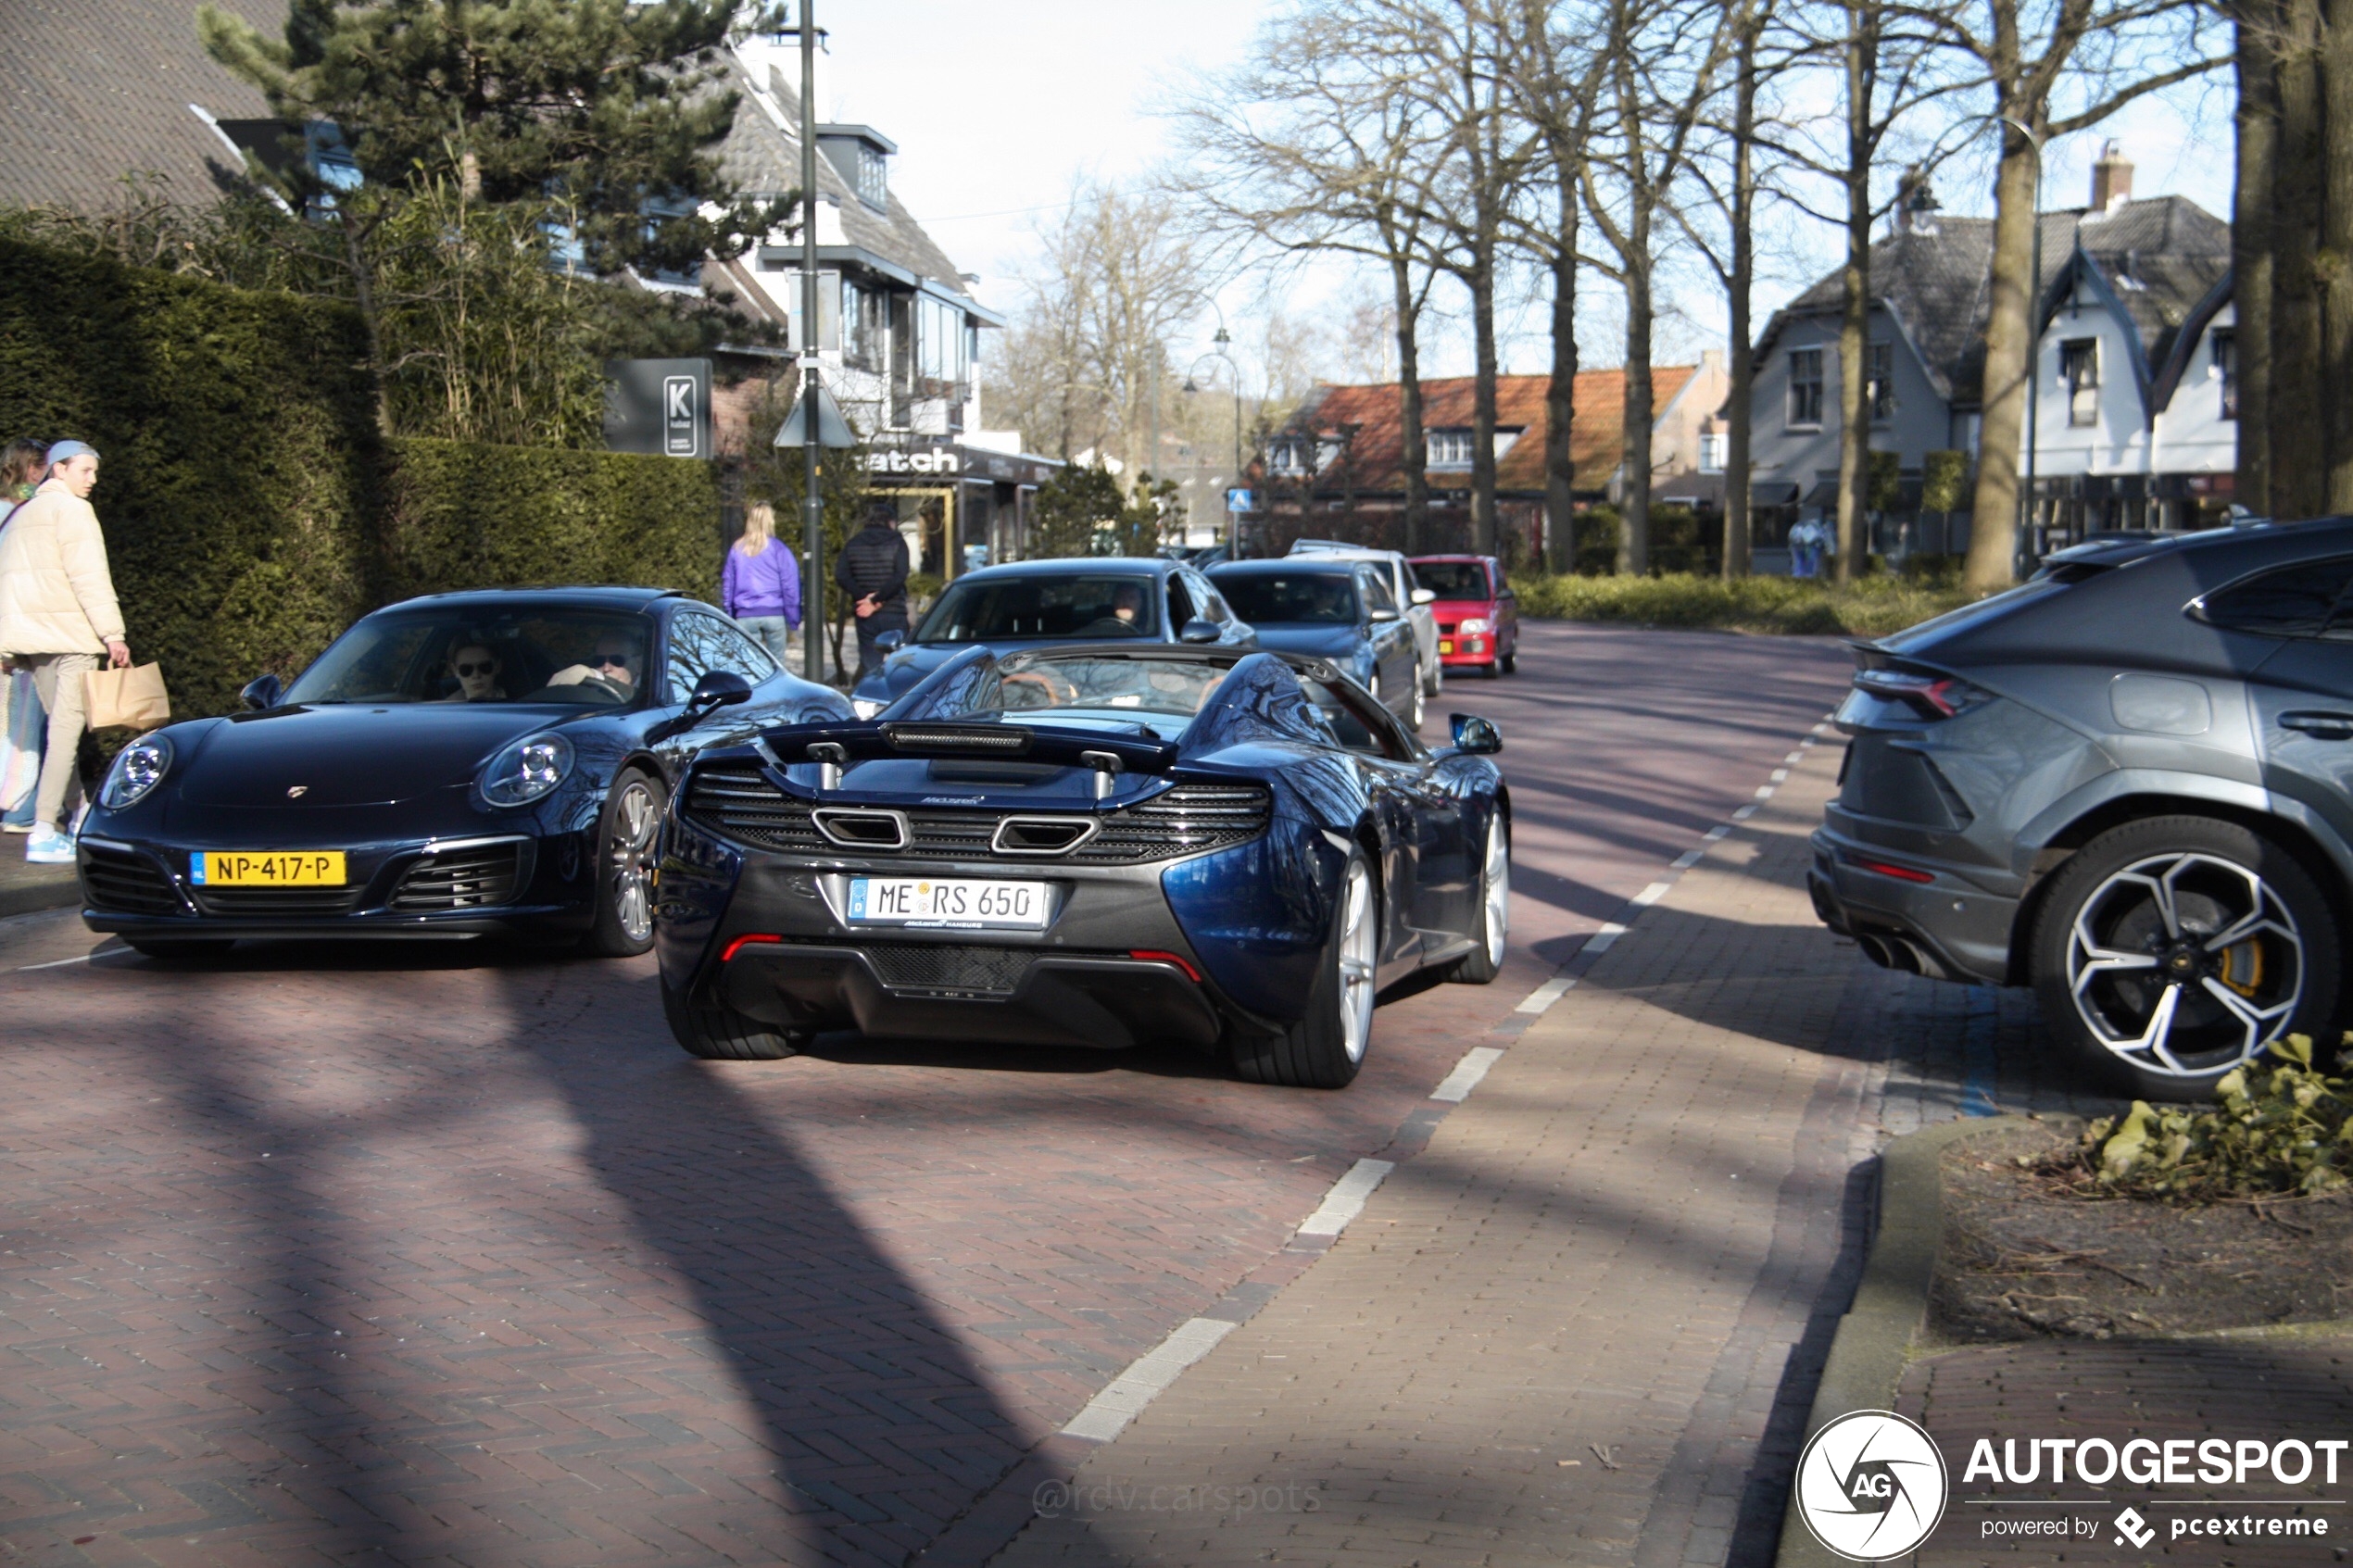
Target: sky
<point>997,109</point>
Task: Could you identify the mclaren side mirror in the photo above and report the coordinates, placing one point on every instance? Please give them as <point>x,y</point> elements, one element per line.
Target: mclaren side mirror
<point>718,688</point>
<point>1197,631</point>
<point>891,641</point>
<point>1425,596</point>
<point>262,692</point>
<point>1475,737</point>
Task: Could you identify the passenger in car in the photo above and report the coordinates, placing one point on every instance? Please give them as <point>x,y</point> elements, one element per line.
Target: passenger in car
<point>613,667</point>
<point>476,669</point>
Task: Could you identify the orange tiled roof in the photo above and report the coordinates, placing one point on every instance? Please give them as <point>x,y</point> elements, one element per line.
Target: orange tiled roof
<point>1594,439</point>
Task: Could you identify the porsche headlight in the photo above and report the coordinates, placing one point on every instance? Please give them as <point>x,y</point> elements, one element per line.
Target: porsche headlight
<point>865,708</point>
<point>1473,625</point>
<point>138,767</point>
<point>526,769</point>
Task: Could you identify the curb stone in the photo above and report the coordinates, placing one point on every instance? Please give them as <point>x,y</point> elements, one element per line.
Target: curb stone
<point>1874,1338</point>
<point>31,893</point>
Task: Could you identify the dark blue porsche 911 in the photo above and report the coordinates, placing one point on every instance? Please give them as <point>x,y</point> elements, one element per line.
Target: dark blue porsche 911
<point>453,766</point>
<point>1087,845</point>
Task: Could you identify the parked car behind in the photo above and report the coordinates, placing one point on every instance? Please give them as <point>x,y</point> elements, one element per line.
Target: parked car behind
<point>1034,603</point>
<point>1335,607</point>
<point>1412,596</point>
<point>1477,613</point>
<point>2127,783</point>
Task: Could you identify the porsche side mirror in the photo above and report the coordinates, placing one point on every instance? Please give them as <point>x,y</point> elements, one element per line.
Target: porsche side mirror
<point>1475,737</point>
<point>1197,631</point>
<point>262,692</point>
<point>891,641</point>
<point>1425,596</point>
<point>718,688</point>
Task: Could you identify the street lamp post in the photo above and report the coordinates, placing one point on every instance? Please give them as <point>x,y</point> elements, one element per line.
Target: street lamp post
<point>1233,374</point>
<point>813,509</point>
<point>2033,336</point>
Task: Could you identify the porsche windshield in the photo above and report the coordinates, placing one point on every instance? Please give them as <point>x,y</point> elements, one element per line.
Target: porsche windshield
<point>592,657</point>
<point>1151,691</point>
<point>1087,605</point>
<point>1304,599</point>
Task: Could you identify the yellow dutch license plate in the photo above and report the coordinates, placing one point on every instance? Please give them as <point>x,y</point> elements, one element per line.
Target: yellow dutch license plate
<point>266,868</point>
<point>1446,648</point>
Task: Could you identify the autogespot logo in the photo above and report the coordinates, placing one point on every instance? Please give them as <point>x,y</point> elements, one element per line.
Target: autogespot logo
<point>1870,1486</point>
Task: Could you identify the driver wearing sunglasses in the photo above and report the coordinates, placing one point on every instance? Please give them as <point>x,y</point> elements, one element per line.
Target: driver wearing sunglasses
<point>476,669</point>
<point>613,665</point>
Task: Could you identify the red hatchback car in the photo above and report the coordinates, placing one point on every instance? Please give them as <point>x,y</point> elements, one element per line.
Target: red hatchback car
<point>1477,614</point>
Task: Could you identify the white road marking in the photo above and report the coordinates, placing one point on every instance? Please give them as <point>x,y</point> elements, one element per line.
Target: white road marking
<point>1466,1074</point>
<point>1793,758</point>
<point>1685,860</point>
<point>1544,995</point>
<point>1346,1198</point>
<point>1600,941</point>
<point>1715,832</point>
<point>54,963</point>
<point>1746,812</point>
<point>1147,1377</point>
<point>1651,895</point>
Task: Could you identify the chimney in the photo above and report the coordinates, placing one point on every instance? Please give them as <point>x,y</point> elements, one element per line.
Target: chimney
<point>2111,180</point>
<point>1916,205</point>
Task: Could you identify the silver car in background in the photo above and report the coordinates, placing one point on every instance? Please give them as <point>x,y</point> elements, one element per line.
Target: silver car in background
<point>1407,590</point>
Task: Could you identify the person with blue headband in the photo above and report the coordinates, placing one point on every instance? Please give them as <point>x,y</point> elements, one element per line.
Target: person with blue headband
<point>58,615</point>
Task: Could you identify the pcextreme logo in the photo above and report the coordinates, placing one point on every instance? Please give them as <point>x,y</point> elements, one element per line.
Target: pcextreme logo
<point>1870,1486</point>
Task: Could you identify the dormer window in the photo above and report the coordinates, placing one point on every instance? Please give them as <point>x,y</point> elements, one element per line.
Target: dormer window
<point>861,154</point>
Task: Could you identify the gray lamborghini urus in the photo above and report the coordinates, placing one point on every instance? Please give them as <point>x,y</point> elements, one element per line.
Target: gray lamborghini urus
<point>2127,783</point>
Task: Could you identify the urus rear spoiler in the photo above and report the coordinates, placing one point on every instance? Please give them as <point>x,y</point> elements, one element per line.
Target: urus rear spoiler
<point>839,745</point>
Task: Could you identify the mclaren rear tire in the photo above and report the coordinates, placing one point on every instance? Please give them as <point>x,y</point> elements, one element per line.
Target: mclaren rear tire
<point>715,1031</point>
<point>1325,1049</point>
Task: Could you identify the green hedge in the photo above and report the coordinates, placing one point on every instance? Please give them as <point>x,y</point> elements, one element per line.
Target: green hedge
<point>251,511</point>
<point>1869,608</point>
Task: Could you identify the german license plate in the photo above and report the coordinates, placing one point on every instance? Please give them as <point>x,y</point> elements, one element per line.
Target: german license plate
<point>955,901</point>
<point>266,868</point>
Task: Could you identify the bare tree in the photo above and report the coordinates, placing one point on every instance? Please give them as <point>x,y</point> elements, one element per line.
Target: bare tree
<point>1558,78</point>
<point>1119,275</point>
<point>2025,55</point>
<point>1664,58</point>
<point>1317,147</point>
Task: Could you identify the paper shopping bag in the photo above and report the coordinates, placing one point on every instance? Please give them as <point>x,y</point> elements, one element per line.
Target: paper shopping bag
<point>127,700</point>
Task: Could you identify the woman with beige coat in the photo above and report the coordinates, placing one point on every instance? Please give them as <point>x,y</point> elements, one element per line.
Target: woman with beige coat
<point>58,615</point>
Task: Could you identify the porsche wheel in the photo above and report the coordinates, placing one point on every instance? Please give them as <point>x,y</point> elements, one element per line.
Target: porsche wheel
<point>1324,1049</point>
<point>2171,950</point>
<point>718,1033</point>
<point>1491,923</point>
<point>626,842</point>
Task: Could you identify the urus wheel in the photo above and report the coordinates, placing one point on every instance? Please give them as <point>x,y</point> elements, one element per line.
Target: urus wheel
<point>1492,926</point>
<point>1325,1049</point>
<point>2170,952</point>
<point>625,843</point>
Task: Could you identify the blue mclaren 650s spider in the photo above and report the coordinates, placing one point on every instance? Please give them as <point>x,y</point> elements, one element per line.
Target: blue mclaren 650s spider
<point>464,765</point>
<point>1098,845</point>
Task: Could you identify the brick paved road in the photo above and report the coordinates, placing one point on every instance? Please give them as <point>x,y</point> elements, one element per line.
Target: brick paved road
<point>431,1256</point>
<point>1586,1322</point>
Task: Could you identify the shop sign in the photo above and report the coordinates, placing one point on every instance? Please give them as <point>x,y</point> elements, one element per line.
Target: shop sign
<point>938,459</point>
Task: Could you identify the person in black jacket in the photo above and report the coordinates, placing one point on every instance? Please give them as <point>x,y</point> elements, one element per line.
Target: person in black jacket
<point>872,568</point>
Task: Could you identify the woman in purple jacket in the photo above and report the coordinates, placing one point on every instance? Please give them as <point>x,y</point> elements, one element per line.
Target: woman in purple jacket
<point>762,585</point>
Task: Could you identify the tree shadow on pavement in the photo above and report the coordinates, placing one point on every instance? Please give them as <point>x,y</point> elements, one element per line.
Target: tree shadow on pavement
<point>866,1406</point>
